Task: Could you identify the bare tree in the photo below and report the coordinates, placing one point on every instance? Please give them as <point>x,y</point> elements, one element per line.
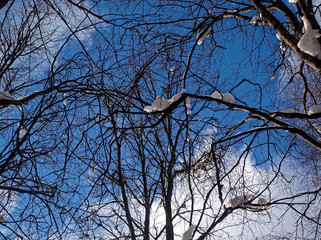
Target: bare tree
<point>160,119</point>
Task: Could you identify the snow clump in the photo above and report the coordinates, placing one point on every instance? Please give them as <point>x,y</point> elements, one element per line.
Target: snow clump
<point>188,234</point>
<point>161,103</point>
<point>176,96</point>
<point>255,19</point>
<point>288,111</point>
<point>172,69</point>
<point>5,96</point>
<point>202,35</point>
<point>243,199</point>
<point>309,42</point>
<point>217,95</point>
<point>239,200</point>
<point>314,109</point>
<point>227,97</point>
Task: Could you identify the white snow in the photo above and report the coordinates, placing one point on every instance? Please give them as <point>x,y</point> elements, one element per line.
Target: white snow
<point>283,46</point>
<point>188,102</point>
<point>228,97</point>
<point>148,109</point>
<point>293,1</point>
<point>20,98</point>
<point>309,43</point>
<point>314,109</point>
<point>288,111</point>
<point>5,96</point>
<point>306,24</point>
<point>188,234</point>
<point>239,200</point>
<point>202,35</point>
<point>22,132</point>
<point>255,19</point>
<point>160,103</point>
<point>217,95</point>
<point>176,96</point>
<point>81,3</point>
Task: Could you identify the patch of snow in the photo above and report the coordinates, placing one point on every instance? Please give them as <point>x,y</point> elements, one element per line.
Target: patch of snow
<point>22,132</point>
<point>283,46</point>
<point>255,19</point>
<point>188,234</point>
<point>288,111</point>
<point>202,35</point>
<point>148,109</point>
<point>314,109</point>
<point>306,24</point>
<point>5,96</point>
<point>188,102</point>
<point>176,96</point>
<point>239,200</point>
<point>82,3</point>
<point>309,43</point>
<point>215,128</point>
<point>217,95</point>
<point>159,104</point>
<point>20,98</point>
<point>293,1</point>
<point>243,199</point>
<point>228,97</point>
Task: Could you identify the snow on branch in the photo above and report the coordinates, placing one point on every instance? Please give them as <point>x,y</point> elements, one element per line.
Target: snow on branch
<point>188,235</point>
<point>227,97</point>
<point>202,35</point>
<point>243,201</point>
<point>314,109</point>
<point>161,103</point>
<point>309,42</point>
<point>255,19</point>
<point>5,96</point>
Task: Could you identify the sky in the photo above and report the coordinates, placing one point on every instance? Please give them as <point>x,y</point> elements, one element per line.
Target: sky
<point>235,63</point>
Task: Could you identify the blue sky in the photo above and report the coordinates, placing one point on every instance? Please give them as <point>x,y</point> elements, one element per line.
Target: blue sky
<point>98,69</point>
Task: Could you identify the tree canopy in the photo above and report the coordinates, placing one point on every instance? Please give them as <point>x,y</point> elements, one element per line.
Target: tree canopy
<point>160,119</point>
